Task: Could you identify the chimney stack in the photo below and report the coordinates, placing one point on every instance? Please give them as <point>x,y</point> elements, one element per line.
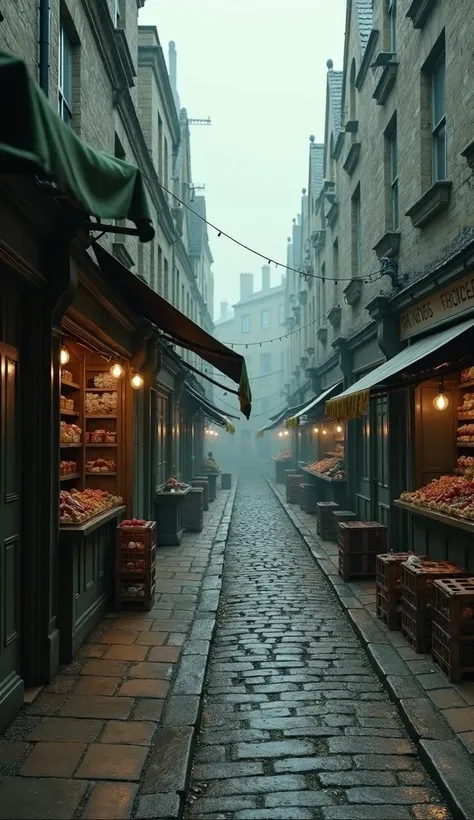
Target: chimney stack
<point>246,285</point>
<point>266,277</point>
<point>173,72</point>
<point>224,310</point>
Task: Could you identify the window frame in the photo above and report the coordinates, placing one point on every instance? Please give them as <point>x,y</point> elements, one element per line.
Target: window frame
<point>117,13</point>
<point>438,126</point>
<point>265,357</point>
<point>281,313</point>
<point>245,325</point>
<point>392,25</point>
<point>393,141</point>
<point>267,313</point>
<point>65,105</point>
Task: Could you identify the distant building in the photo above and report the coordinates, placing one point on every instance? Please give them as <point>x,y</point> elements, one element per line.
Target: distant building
<point>258,316</point>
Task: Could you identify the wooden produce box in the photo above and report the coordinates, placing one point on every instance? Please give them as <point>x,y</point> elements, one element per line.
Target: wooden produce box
<point>325,519</point>
<point>204,484</point>
<point>417,584</point>
<point>359,544</point>
<point>135,566</point>
<point>226,481</point>
<point>389,587</point>
<point>293,488</point>
<point>192,510</point>
<point>309,498</point>
<point>452,638</point>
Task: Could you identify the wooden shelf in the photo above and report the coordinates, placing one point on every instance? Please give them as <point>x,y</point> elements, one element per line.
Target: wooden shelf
<point>101,389</point>
<point>99,444</point>
<point>425,512</point>
<point>70,413</point>
<point>93,523</point>
<point>325,477</point>
<point>463,444</point>
<point>72,385</point>
<point>110,416</point>
<point>469,383</point>
<point>465,418</point>
<point>68,446</point>
<point>68,476</point>
<point>100,474</point>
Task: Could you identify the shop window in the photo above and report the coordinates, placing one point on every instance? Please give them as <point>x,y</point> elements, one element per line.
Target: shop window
<point>246,323</point>
<point>438,119</point>
<point>356,230</point>
<point>118,13</point>
<point>65,76</point>
<point>162,443</point>
<point>265,364</point>
<point>265,318</point>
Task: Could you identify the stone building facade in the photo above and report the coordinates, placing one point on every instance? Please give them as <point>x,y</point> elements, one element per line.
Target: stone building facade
<point>393,199</point>
<point>108,77</point>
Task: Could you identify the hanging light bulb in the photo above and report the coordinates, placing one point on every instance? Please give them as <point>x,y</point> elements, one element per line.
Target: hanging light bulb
<point>64,356</point>
<point>315,429</point>
<point>286,433</point>
<point>280,434</point>
<point>137,381</point>
<point>441,401</point>
<point>116,371</point>
<point>325,432</point>
<point>338,429</point>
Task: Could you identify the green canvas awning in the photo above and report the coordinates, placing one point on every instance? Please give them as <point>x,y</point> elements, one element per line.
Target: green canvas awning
<point>34,139</point>
<point>144,301</point>
<point>210,411</point>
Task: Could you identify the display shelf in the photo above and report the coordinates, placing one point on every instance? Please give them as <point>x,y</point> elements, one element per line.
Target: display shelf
<point>85,527</point>
<point>109,416</point>
<point>328,478</point>
<point>469,383</point>
<point>70,413</point>
<point>99,444</point>
<point>72,385</point>
<point>465,443</point>
<point>443,518</point>
<point>70,445</point>
<point>100,474</point>
<point>465,418</point>
<point>102,389</point>
<point>68,476</point>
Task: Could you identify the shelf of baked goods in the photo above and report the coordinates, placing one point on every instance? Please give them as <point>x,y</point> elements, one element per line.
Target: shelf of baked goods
<point>101,467</point>
<point>78,507</point>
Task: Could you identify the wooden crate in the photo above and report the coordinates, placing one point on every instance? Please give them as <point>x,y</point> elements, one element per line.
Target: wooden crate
<point>359,544</point>
<point>452,639</point>
<point>226,481</point>
<point>325,519</point>
<point>337,517</point>
<point>308,498</point>
<point>202,482</point>
<point>293,488</point>
<point>389,587</point>
<point>192,510</point>
<point>135,567</point>
<point>417,583</point>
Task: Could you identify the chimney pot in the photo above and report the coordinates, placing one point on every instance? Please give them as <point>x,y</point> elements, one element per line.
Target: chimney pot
<point>266,277</point>
<point>246,285</point>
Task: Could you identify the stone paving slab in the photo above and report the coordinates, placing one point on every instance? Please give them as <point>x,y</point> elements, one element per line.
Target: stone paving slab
<point>438,715</point>
<point>112,736</point>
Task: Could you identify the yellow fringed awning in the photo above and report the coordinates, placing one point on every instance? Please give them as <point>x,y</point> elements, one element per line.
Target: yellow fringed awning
<point>260,434</point>
<point>291,423</point>
<point>348,407</point>
<point>229,428</point>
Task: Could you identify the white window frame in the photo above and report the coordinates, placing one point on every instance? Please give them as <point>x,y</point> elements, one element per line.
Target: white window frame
<point>392,24</point>
<point>267,314</point>
<point>64,105</point>
<point>117,17</point>
<point>245,322</point>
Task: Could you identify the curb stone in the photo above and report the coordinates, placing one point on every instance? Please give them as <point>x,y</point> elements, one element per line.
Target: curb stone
<point>185,700</point>
<point>443,755</point>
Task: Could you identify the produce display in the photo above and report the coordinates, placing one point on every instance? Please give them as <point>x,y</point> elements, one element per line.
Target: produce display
<point>104,436</point>
<point>467,375</point>
<point>76,507</point>
<point>465,465</point>
<point>330,467</point>
<point>466,433</point>
<point>66,376</point>
<point>67,467</point>
<point>133,567</point>
<point>105,381</point>
<point>453,495</point>
<point>173,485</point>
<point>284,455</point>
<point>339,450</point>
<point>210,464</point>
<point>133,522</point>
<point>69,433</point>
<point>132,591</point>
<point>101,465</point>
<point>467,406</point>
<point>101,404</point>
<point>67,404</point>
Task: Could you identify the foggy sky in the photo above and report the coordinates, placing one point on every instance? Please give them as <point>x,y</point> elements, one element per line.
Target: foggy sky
<point>258,69</point>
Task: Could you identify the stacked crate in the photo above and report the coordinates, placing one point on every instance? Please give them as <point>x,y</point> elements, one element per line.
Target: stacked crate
<point>325,519</point>
<point>204,484</point>
<point>389,587</point>
<point>135,566</point>
<point>309,498</point>
<point>359,544</point>
<point>338,516</point>
<point>293,488</point>
<point>417,585</point>
<point>452,644</point>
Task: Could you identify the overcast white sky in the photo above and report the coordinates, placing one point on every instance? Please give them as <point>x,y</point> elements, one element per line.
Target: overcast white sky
<point>258,69</point>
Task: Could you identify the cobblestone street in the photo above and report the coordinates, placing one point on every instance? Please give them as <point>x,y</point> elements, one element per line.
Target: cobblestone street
<point>295,723</point>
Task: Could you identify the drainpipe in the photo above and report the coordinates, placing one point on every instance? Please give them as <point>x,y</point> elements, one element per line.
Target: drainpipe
<point>44,42</point>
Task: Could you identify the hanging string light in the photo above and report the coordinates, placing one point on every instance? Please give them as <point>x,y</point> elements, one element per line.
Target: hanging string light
<point>64,356</point>
<point>137,381</point>
<point>116,371</point>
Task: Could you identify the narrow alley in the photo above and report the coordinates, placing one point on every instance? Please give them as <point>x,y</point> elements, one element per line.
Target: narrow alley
<point>295,723</point>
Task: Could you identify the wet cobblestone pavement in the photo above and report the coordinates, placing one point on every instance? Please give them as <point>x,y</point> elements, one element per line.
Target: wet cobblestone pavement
<point>295,723</point>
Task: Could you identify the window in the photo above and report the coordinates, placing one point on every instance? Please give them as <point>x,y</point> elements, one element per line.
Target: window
<point>160,147</point>
<point>392,25</point>
<point>182,298</point>
<point>265,318</point>
<point>335,268</point>
<point>265,364</point>
<point>323,290</point>
<point>160,270</point>
<point>162,440</point>
<point>353,93</point>
<point>246,323</point>
<point>394,176</point>
<point>165,165</point>
<point>281,314</point>
<point>166,280</point>
<point>152,265</point>
<point>65,77</point>
<point>356,233</point>
<point>438,119</point>
<point>117,10</point>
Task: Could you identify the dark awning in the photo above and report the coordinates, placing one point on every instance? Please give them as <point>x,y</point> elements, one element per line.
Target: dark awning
<point>279,418</point>
<point>439,353</point>
<point>34,139</point>
<point>181,330</point>
<point>294,419</point>
<point>210,411</point>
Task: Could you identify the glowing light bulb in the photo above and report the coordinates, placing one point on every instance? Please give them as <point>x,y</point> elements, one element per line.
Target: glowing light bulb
<point>315,429</point>
<point>137,381</point>
<point>440,402</point>
<point>64,356</point>
<point>325,432</point>
<point>116,371</point>
<point>338,429</point>
<point>286,433</point>
<point>280,434</point>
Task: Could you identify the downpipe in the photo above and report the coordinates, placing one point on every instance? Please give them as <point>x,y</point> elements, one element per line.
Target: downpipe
<point>44,44</point>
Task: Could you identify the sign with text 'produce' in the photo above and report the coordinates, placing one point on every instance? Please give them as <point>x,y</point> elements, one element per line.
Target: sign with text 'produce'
<point>452,300</point>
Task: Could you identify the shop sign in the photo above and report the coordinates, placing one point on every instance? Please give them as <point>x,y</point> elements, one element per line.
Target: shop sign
<point>456,298</point>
